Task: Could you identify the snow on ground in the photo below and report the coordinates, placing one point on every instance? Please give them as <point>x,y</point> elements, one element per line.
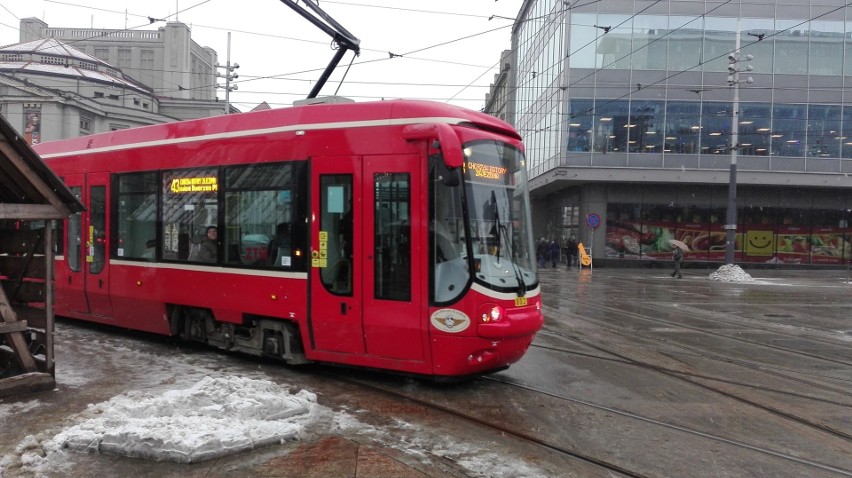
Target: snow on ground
<point>478,459</point>
<point>730,273</point>
<point>225,415</point>
<point>194,409</point>
<point>214,417</point>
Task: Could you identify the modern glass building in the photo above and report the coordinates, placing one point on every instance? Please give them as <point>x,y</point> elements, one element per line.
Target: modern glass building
<point>632,111</point>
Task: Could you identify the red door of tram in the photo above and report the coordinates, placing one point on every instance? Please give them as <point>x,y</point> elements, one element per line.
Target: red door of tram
<point>71,287</point>
<point>86,249</point>
<point>366,289</point>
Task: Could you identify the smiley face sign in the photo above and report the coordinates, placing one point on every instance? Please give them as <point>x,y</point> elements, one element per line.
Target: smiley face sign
<point>760,243</point>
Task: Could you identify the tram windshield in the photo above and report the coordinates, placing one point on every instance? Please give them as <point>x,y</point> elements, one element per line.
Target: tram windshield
<point>492,238</point>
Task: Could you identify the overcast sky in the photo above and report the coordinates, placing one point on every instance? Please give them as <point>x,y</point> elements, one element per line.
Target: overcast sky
<point>450,48</point>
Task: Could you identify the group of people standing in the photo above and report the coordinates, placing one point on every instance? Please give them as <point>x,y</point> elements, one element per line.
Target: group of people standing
<point>551,252</point>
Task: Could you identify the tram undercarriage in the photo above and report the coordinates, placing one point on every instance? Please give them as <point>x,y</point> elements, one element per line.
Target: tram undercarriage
<point>259,336</point>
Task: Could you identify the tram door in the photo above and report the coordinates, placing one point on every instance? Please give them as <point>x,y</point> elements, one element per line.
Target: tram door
<point>364,286</point>
<point>86,276</point>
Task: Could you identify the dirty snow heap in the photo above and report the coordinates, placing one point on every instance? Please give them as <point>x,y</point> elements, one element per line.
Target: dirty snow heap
<point>730,273</point>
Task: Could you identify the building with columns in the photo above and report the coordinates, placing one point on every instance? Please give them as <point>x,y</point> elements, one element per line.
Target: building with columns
<point>64,82</point>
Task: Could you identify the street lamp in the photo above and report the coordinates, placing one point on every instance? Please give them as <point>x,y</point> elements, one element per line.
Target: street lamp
<point>734,81</point>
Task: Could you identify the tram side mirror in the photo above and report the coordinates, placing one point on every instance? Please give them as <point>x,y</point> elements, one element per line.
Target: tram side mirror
<point>450,177</point>
<point>448,142</point>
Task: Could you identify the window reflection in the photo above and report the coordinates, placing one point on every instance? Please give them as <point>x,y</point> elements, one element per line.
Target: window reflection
<point>755,126</point>
<point>787,138</point>
<point>684,127</point>
<point>683,124</point>
<point>823,131</point>
<point>617,122</point>
<point>715,128</point>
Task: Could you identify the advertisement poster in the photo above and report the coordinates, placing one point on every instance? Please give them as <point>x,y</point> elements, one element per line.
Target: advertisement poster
<point>629,240</point>
<point>651,240</point>
<point>785,244</point>
<point>32,129</point>
<point>793,245</point>
<point>758,243</point>
<point>829,246</point>
<point>717,243</point>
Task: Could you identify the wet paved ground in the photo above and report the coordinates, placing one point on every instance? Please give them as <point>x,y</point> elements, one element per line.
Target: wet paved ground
<point>635,374</point>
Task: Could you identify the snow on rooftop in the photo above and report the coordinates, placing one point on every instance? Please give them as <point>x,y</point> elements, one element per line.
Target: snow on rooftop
<point>51,56</point>
<point>50,46</point>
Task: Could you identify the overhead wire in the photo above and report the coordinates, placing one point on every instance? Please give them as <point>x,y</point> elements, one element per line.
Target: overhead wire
<point>523,85</point>
<point>407,55</point>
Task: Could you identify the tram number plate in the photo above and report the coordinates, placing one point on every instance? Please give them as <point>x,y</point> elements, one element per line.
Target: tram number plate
<point>520,301</point>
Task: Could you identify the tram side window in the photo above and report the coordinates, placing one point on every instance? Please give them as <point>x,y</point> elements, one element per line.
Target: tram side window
<point>190,207</point>
<point>336,231</point>
<point>59,235</point>
<point>262,202</point>
<point>96,256</point>
<point>74,237</point>
<point>137,216</point>
<point>392,223</point>
<point>447,241</point>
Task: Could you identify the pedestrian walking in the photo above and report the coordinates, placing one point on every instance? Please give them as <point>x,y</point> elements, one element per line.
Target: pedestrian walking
<point>677,256</point>
<point>554,253</point>
<point>572,249</point>
<point>541,252</point>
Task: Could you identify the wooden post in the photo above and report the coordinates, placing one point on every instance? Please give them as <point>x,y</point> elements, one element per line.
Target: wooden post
<point>16,339</point>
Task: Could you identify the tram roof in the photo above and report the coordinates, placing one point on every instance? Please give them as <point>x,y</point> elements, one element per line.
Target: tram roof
<point>316,116</point>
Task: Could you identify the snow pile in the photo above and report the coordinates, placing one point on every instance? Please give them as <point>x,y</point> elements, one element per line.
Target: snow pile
<point>213,418</point>
<point>730,273</point>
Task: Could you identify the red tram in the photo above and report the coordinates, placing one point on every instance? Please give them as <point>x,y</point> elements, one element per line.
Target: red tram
<point>392,235</point>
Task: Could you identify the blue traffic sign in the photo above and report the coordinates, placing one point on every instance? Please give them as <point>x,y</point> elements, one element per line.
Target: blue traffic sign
<point>593,220</point>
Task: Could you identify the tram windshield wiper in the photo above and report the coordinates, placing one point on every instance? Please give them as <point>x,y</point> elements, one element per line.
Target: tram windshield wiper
<point>497,229</point>
<point>500,232</point>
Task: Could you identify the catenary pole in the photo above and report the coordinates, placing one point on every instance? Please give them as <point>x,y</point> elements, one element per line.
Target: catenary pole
<point>731,223</point>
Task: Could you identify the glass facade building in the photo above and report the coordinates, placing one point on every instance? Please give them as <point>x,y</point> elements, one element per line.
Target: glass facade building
<point>629,112</point>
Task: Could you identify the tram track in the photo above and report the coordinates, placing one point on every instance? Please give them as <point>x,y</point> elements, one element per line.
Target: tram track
<point>693,379</point>
<point>602,352</point>
<point>714,318</point>
<point>766,368</point>
<point>585,457</point>
<point>720,439</point>
<point>690,378</point>
<point>688,374</point>
<point>505,430</point>
<point>648,318</point>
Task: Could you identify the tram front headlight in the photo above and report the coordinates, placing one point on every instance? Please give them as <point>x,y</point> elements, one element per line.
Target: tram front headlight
<point>492,313</point>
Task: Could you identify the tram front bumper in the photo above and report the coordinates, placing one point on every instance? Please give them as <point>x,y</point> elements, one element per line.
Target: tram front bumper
<point>515,324</point>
